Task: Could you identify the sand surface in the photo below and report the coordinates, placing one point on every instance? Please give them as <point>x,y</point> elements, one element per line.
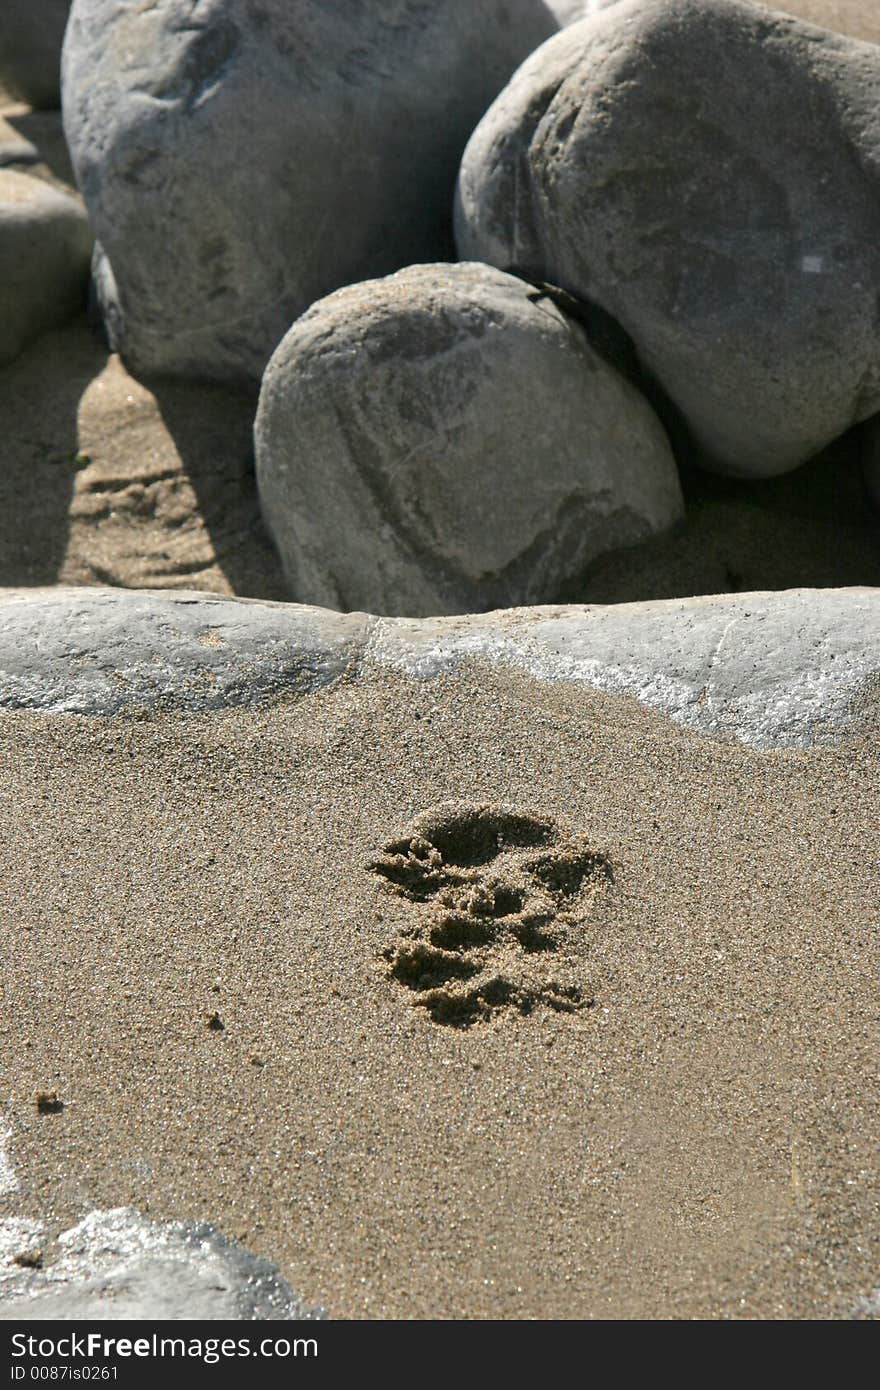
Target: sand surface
<point>860,19</point>
<point>696,1139</point>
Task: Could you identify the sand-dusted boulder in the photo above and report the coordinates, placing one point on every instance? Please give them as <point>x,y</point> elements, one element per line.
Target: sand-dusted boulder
<point>45,247</point>
<point>446,440</point>
<point>708,172</point>
<point>283,149</point>
<point>31,34</point>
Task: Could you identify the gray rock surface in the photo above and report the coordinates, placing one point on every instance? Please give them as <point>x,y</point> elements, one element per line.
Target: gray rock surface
<point>736,239</point>
<point>45,247</point>
<point>99,651</point>
<point>446,440</point>
<point>31,34</point>
<point>291,148</point>
<point>116,1265</point>
<point>788,669</point>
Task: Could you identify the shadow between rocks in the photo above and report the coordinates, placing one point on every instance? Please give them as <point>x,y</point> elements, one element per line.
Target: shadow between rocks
<point>39,398</point>
<point>212,430</point>
<point>812,528</point>
<point>43,130</point>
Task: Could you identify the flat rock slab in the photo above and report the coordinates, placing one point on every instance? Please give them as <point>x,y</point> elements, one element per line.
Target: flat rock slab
<point>771,670</point>
<point>117,1265</point>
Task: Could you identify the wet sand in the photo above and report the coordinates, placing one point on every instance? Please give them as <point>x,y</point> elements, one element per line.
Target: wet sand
<point>696,1138</point>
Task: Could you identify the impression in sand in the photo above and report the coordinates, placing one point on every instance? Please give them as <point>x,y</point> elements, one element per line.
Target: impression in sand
<point>500,895</point>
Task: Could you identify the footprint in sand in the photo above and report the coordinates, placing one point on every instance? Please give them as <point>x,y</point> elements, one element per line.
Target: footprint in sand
<point>498,893</point>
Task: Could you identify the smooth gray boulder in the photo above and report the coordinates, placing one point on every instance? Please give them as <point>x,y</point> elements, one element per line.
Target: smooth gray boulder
<point>45,249</point>
<point>709,173</point>
<point>284,149</point>
<point>116,1265</point>
<point>445,440</point>
<point>773,670</point>
<point>31,35</point>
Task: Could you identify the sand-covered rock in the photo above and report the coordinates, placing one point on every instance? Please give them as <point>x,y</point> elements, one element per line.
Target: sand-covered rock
<point>31,34</point>
<point>45,245</point>
<point>288,156</point>
<point>447,439</point>
<point>118,1265</point>
<point>734,237</point>
<point>771,670</point>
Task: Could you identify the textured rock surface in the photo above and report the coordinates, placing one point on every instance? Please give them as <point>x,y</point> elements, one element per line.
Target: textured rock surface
<point>45,246</point>
<point>447,440</point>
<point>31,33</point>
<point>735,240</point>
<point>311,146</point>
<point>773,670</point>
<point>117,1265</point>
<point>98,651</point>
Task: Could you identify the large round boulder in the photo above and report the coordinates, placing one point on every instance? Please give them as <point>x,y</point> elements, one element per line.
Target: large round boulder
<point>709,173</point>
<point>242,160</point>
<point>31,34</point>
<point>45,247</point>
<point>447,440</point>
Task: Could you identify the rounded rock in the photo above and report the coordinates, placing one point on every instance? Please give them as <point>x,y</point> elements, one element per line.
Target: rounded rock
<point>447,440</point>
<point>735,237</point>
<point>285,154</point>
<point>45,248</point>
<point>31,35</point>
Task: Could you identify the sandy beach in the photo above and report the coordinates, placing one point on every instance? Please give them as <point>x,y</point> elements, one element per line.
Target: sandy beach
<point>196,962</point>
<point>479,995</point>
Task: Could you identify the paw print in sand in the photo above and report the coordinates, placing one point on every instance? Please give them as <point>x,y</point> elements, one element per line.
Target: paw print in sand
<point>498,894</point>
